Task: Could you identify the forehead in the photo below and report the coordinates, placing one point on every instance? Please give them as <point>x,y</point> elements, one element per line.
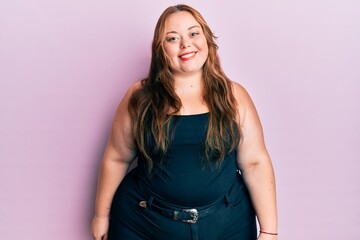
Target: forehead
<point>180,21</point>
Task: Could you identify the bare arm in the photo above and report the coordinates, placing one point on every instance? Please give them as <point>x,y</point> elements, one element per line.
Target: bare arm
<point>255,164</point>
<point>119,153</point>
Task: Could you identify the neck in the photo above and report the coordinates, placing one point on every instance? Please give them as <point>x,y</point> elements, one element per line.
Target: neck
<point>184,81</point>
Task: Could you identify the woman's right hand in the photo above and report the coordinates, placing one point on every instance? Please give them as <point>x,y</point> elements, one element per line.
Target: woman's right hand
<point>100,227</point>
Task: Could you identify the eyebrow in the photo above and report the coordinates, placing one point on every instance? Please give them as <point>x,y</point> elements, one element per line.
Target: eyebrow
<point>195,26</point>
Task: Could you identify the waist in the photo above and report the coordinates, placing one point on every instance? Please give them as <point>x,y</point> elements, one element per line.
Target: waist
<point>190,192</point>
<point>179,213</point>
<point>189,213</point>
<point>235,189</point>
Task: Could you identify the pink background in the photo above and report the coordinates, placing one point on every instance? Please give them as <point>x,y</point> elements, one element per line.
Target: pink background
<point>64,65</point>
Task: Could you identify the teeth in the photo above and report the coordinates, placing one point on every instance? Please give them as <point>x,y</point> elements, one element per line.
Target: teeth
<point>188,55</point>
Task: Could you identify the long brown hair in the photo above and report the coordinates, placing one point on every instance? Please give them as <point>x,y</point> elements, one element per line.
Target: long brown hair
<point>152,105</point>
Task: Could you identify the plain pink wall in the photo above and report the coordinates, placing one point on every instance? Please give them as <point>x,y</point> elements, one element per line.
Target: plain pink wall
<point>64,66</point>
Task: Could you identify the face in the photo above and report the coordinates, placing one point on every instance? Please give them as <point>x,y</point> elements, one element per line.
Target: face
<point>185,44</point>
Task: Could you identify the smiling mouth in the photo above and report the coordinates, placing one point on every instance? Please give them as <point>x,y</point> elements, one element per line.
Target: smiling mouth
<point>187,56</point>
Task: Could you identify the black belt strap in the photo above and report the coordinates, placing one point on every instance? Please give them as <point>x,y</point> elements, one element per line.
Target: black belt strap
<point>188,215</point>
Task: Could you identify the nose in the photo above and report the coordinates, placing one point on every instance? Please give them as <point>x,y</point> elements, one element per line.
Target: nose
<point>184,44</point>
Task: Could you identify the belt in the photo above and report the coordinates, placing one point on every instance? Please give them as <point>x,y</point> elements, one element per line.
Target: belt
<point>187,215</point>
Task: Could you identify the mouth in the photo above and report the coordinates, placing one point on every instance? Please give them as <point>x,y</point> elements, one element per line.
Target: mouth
<point>187,56</point>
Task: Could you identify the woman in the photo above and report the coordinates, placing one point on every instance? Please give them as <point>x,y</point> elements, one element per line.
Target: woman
<point>203,169</point>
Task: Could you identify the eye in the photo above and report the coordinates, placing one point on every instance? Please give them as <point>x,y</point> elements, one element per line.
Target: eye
<point>172,39</point>
<point>194,34</point>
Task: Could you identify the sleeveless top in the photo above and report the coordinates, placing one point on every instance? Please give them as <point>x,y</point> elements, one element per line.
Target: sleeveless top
<point>182,178</point>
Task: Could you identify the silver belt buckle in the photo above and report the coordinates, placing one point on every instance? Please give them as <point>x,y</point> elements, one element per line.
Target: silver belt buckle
<point>194,214</point>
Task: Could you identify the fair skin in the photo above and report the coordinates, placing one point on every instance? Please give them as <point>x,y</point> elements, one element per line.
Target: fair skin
<point>119,153</point>
<point>255,164</point>
<point>186,47</point>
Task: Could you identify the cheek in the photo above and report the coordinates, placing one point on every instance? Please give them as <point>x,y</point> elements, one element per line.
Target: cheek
<point>206,55</point>
<point>205,45</point>
<point>205,49</point>
<point>170,50</point>
<point>201,44</point>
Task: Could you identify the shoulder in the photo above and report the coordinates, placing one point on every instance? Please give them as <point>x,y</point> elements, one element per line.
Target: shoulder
<point>122,135</point>
<point>136,85</point>
<point>239,91</point>
<point>134,88</point>
<point>123,105</point>
<point>129,94</point>
<point>244,102</point>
